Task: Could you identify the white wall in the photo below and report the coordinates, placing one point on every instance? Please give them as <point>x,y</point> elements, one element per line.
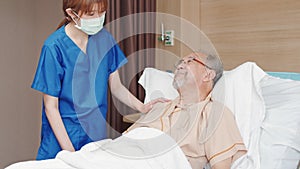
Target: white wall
<point>24,27</point>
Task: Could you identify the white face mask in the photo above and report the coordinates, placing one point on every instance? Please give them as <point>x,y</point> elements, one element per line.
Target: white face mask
<point>90,26</point>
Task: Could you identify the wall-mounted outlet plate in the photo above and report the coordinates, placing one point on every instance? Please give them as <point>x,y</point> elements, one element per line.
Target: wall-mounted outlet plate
<point>169,38</point>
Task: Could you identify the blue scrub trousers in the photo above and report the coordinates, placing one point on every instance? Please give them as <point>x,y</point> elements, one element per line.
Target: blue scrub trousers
<point>49,145</point>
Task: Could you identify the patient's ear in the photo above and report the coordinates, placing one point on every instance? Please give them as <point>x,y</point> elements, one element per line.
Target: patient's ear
<point>211,74</point>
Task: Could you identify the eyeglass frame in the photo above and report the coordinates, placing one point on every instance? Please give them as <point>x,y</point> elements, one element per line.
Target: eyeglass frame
<point>179,62</point>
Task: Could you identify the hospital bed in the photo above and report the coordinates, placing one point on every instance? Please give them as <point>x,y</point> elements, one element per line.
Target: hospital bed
<point>265,105</point>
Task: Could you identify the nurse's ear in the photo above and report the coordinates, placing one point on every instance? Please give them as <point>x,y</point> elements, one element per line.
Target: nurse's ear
<point>72,14</point>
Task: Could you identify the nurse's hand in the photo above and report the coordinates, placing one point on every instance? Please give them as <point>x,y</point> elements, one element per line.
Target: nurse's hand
<point>147,107</point>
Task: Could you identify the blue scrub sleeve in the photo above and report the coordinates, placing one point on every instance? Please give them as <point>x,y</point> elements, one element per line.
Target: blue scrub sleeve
<point>49,72</point>
<point>118,59</point>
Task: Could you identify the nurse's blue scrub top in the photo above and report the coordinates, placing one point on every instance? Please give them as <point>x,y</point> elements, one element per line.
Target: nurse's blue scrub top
<point>80,82</point>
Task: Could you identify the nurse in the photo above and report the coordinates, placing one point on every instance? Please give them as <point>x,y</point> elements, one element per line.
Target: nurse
<point>77,62</point>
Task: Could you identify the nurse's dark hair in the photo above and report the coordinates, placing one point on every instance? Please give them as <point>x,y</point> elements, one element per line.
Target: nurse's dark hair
<point>83,6</point>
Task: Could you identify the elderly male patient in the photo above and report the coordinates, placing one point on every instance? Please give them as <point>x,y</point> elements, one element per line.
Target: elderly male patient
<point>204,129</point>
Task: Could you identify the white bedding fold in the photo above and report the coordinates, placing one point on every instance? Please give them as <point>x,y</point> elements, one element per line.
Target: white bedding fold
<point>125,152</point>
<point>243,97</point>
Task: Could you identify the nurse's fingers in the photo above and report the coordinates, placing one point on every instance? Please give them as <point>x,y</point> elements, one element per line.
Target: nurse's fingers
<point>162,100</point>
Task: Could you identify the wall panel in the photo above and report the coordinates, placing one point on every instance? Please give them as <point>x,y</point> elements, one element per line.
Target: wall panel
<point>24,27</point>
<point>266,32</point>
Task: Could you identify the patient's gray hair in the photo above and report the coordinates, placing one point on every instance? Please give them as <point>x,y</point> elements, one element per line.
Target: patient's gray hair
<point>214,62</point>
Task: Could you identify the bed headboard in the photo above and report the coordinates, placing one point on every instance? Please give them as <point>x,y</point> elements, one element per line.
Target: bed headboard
<point>286,75</point>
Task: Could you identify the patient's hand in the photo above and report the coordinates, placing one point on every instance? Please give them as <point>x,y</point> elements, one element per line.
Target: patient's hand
<point>147,107</point>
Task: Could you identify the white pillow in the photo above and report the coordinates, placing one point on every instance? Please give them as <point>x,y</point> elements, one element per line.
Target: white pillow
<point>157,84</point>
<point>280,137</point>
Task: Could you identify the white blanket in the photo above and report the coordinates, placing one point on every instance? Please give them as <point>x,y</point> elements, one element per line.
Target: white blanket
<point>141,148</point>
<point>281,126</point>
<point>239,90</point>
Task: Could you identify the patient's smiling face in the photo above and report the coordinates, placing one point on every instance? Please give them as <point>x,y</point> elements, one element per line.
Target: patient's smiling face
<point>190,70</point>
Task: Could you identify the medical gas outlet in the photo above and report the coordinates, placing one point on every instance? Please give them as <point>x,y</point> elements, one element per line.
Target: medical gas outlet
<point>169,38</point>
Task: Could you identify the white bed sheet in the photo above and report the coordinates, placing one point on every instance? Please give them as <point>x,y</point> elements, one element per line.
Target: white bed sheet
<point>135,150</point>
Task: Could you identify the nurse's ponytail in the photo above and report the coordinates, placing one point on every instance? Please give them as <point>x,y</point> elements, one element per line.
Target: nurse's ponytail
<point>63,22</point>
<point>67,4</point>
